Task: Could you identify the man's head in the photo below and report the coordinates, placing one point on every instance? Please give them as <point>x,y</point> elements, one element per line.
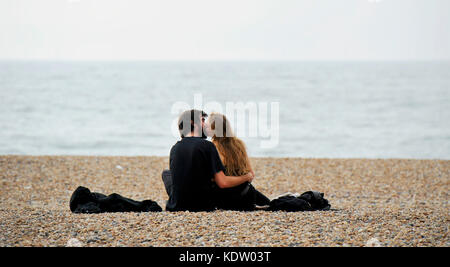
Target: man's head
<point>192,122</point>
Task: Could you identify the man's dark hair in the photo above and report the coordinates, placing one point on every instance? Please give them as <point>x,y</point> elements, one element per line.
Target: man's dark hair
<point>190,117</point>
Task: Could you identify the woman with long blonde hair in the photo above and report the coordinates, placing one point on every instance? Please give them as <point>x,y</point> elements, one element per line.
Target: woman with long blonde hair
<point>233,153</point>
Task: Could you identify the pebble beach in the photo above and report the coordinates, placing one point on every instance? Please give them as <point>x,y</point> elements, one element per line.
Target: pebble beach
<point>375,202</point>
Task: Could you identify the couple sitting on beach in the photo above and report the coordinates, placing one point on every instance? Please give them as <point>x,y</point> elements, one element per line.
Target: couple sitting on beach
<point>207,175</point>
<point>203,176</point>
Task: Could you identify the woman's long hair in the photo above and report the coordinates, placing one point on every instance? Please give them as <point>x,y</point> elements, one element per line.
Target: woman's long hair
<point>229,146</point>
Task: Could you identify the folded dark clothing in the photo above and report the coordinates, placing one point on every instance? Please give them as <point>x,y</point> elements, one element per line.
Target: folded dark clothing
<point>85,201</point>
<point>308,201</point>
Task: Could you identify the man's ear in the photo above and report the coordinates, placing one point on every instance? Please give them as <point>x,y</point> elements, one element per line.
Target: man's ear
<point>196,130</point>
<point>192,127</point>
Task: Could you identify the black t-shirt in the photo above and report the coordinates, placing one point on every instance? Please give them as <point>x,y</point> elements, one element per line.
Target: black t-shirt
<point>193,163</point>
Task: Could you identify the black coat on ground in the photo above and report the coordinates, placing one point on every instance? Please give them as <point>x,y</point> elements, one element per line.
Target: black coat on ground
<point>308,201</point>
<point>85,201</point>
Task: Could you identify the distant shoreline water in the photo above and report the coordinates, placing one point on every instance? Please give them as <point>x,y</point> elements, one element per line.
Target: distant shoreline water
<point>386,110</point>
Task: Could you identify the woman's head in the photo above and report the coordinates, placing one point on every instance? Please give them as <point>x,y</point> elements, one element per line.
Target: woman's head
<point>229,146</point>
<point>218,126</point>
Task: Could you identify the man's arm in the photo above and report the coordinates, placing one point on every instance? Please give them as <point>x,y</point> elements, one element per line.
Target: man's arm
<point>224,181</point>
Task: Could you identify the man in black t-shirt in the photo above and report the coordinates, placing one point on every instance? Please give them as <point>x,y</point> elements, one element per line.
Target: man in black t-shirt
<point>195,166</point>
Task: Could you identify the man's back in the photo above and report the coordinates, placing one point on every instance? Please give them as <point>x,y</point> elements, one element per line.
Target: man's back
<point>193,163</point>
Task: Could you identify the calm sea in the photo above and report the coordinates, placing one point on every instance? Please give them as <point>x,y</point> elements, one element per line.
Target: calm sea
<point>326,109</point>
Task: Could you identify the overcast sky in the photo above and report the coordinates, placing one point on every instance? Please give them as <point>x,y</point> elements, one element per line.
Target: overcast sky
<point>225,30</point>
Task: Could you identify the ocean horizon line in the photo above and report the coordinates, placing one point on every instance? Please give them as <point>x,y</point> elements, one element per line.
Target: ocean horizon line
<point>230,60</point>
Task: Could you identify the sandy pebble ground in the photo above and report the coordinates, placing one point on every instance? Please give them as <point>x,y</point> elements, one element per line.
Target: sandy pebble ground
<point>378,202</point>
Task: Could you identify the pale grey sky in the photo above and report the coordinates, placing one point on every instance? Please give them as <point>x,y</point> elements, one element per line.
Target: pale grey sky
<point>225,30</point>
